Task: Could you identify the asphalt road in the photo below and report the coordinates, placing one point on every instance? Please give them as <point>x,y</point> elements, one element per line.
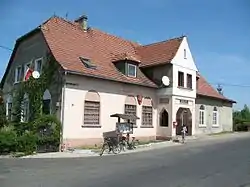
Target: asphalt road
<point>223,163</point>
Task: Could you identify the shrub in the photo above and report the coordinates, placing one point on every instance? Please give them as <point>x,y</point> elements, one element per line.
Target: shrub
<point>27,142</point>
<point>48,132</point>
<point>8,140</point>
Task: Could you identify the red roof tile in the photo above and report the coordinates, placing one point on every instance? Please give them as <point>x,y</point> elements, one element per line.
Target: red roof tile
<point>205,89</point>
<point>68,42</point>
<point>158,53</point>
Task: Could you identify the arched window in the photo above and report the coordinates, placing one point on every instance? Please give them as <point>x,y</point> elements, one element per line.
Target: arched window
<point>147,112</point>
<point>164,118</point>
<point>9,108</point>
<point>215,116</point>
<point>25,108</point>
<point>46,102</point>
<point>130,107</point>
<point>202,115</point>
<point>92,109</point>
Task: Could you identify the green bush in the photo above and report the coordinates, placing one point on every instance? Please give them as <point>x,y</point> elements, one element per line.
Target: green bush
<point>8,140</point>
<point>241,127</point>
<point>27,142</point>
<point>48,129</point>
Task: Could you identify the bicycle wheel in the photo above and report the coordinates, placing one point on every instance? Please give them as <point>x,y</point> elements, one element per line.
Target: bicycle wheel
<point>105,147</point>
<point>116,149</point>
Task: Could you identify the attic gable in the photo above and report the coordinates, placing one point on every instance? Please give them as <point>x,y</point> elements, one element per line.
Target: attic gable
<point>183,56</point>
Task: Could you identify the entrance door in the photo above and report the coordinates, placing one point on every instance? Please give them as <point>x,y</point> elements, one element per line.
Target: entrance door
<point>184,116</point>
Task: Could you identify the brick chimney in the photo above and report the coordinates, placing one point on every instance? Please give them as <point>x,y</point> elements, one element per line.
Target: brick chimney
<point>83,21</point>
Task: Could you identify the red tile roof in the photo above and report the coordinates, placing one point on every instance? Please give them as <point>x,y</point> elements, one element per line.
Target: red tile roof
<point>153,54</point>
<point>67,42</point>
<point>205,89</point>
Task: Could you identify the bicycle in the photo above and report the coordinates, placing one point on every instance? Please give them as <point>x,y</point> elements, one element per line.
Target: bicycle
<point>110,144</point>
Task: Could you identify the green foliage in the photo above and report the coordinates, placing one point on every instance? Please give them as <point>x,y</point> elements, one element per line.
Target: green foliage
<point>48,129</point>
<point>40,129</point>
<point>8,140</point>
<point>27,142</point>
<point>241,119</point>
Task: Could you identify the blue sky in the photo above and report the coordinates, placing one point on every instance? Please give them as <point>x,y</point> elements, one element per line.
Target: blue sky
<point>218,31</point>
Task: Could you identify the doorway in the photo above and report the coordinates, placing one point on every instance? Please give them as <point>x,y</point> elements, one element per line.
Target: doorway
<point>184,116</point>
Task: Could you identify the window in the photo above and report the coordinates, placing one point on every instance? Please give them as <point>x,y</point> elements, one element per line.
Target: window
<point>92,110</point>
<point>189,81</point>
<point>9,111</point>
<point>164,118</point>
<point>147,116</point>
<point>38,65</point>
<point>25,116</point>
<point>131,110</point>
<point>46,106</point>
<point>180,79</point>
<point>185,54</point>
<point>215,116</point>
<point>88,63</point>
<point>202,115</point>
<point>92,113</point>
<point>131,70</point>
<point>18,74</point>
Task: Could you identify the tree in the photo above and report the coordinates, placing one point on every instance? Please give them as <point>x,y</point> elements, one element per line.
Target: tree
<point>241,119</point>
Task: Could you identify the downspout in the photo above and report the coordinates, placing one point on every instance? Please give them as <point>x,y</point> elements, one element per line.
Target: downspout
<point>62,147</point>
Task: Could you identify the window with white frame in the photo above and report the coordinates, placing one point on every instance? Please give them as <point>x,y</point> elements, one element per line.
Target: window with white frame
<point>185,54</point>
<point>38,65</point>
<point>131,70</point>
<point>25,109</point>
<point>9,108</point>
<point>147,112</point>
<point>18,74</point>
<point>215,116</point>
<point>202,115</point>
<point>9,111</point>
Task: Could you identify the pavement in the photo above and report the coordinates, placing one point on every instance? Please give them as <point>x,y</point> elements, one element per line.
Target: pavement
<point>223,161</point>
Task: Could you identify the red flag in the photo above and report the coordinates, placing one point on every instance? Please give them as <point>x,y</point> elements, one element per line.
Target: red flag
<point>28,74</point>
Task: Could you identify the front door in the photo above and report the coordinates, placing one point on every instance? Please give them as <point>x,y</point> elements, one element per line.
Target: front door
<point>184,116</point>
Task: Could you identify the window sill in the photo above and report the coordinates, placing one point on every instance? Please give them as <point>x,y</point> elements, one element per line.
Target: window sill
<point>146,126</point>
<point>215,126</point>
<point>185,88</point>
<point>164,126</point>
<point>91,126</point>
<point>202,126</point>
<point>135,126</point>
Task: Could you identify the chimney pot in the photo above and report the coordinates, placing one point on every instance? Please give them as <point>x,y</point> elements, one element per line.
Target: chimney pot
<point>83,21</point>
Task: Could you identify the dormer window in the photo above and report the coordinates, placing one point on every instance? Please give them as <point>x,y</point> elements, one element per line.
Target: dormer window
<point>131,70</point>
<point>87,63</point>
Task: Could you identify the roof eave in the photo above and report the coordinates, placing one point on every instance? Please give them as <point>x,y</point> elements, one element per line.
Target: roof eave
<point>217,98</point>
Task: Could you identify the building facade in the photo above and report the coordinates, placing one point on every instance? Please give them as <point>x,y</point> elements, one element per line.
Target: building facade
<point>101,74</point>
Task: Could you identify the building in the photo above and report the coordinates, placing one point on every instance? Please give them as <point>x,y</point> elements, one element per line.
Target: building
<point>101,74</point>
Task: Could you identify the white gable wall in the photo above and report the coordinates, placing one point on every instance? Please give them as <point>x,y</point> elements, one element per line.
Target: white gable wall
<point>187,66</point>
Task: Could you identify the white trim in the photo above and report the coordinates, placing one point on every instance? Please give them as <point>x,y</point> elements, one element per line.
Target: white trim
<point>204,116</point>
<point>17,81</point>
<point>217,118</point>
<point>132,65</point>
<point>36,60</point>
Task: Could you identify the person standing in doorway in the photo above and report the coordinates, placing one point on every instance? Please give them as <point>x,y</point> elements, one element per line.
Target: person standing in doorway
<point>183,132</point>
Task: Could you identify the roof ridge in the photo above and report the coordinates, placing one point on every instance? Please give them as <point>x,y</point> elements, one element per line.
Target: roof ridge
<point>154,43</point>
<point>133,43</point>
